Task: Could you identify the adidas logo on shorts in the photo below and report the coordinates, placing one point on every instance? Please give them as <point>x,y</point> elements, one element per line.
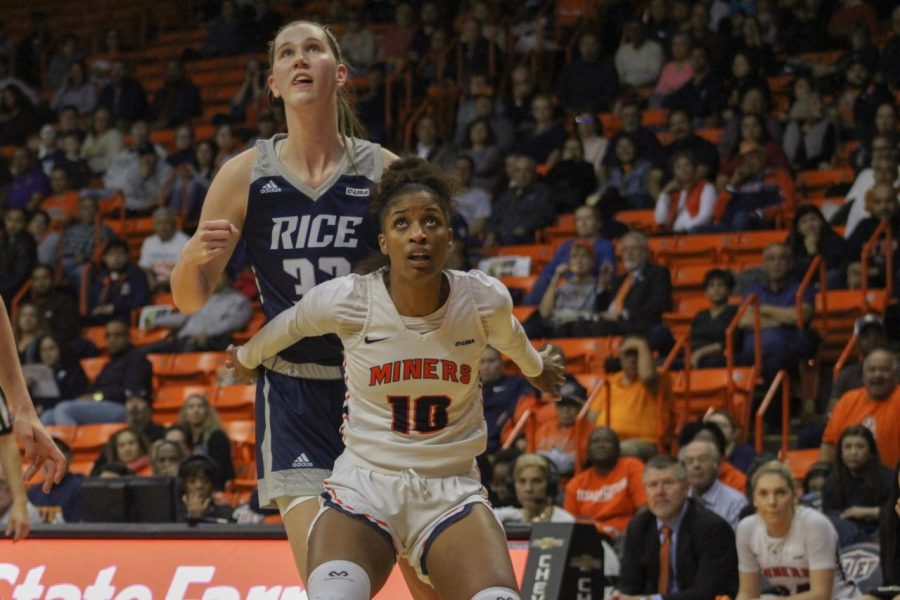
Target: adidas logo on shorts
<point>269,188</point>
<point>301,462</point>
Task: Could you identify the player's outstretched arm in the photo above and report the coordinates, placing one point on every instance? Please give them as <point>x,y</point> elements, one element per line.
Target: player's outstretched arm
<point>207,252</point>
<point>40,450</point>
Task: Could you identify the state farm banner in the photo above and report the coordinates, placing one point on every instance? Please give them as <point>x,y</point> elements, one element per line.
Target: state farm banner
<point>103,569</point>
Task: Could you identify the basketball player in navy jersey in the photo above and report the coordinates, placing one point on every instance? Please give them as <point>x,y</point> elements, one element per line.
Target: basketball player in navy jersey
<point>406,485</point>
<point>301,204</point>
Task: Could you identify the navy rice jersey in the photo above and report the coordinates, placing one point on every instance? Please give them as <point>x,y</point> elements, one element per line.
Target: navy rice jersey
<point>298,237</point>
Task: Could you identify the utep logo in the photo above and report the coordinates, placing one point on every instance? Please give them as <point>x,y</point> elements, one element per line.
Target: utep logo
<point>547,543</point>
<point>859,564</point>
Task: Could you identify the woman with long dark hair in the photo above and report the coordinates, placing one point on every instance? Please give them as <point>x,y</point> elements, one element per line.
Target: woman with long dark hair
<point>812,236</point>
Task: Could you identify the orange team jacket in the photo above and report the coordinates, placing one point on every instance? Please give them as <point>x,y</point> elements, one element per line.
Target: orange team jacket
<point>632,408</point>
<point>882,418</point>
<point>550,436</point>
<point>732,477</point>
<point>610,499</point>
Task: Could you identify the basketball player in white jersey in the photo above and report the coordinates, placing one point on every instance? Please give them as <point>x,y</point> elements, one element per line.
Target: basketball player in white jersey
<point>413,334</point>
<point>794,547</point>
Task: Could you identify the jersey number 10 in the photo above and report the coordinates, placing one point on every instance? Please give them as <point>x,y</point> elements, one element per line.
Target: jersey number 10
<point>426,414</point>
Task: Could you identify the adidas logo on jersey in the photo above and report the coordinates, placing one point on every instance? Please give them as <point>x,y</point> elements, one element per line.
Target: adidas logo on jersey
<point>269,188</point>
<point>301,462</point>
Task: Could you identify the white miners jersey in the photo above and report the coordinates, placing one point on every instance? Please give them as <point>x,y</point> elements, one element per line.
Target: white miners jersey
<point>811,544</point>
<point>414,398</point>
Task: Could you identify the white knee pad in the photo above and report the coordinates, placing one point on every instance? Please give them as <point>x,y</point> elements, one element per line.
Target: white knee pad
<point>339,580</point>
<point>497,593</point>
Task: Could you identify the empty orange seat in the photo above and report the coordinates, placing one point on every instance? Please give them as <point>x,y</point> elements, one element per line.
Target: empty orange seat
<point>800,461</point>
<point>235,401</point>
<point>641,220</point>
<point>168,400</point>
<point>540,254</point>
<point>89,439</point>
<point>192,367</point>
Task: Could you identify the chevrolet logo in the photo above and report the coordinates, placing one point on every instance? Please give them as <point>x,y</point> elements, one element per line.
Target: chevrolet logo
<point>586,563</point>
<point>547,543</point>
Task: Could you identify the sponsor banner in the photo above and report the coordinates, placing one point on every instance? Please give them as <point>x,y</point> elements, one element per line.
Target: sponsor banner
<point>102,569</point>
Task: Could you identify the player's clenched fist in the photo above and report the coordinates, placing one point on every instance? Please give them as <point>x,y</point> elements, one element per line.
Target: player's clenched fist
<point>210,240</point>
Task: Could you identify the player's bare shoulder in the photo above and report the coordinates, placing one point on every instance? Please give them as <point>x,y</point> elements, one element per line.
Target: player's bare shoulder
<point>227,196</point>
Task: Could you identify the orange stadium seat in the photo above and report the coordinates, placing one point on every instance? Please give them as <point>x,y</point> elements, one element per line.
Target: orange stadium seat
<point>708,388</point>
<point>168,400</point>
<point>90,439</point>
<point>235,402</point>
<point>64,433</point>
<point>580,353</point>
<point>697,248</point>
<point>540,254</point>
<point>641,220</point>
<point>687,281</point>
<point>522,284</point>
<point>255,324</point>
<point>679,320</point>
<point>192,367</point>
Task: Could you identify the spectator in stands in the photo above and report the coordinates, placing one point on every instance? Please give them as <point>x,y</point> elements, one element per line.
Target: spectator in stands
<point>68,121</point>
<point>143,182</point>
<point>755,100</point>
<point>500,393</point>
<point>19,118</point>
<point>81,240</point>
<point>572,179</point>
<point>715,43</point>
<point>370,105</point>
<point>48,151</point>
<point>473,202</point>
<point>589,82</point>
<point>588,228</point>
<point>47,240</point>
<point>228,143</point>
<point>58,308</point>
<point>165,458</point>
<point>739,454</point>
<point>536,483</point>
<point>753,197</point>
<point>543,142</point>
<point>207,437</point>
<point>357,43</point>
<point>259,24</point>
<point>486,156</point>
<point>225,36</point>
<point>500,490</point>
<point>702,460</point>
<point>65,495</point>
<point>677,544</point>
<point>561,440</point>
<point>889,525</point>
<point>127,369</point>
<point>876,405</point>
<point>28,327</point>
<point>810,140</point>
<point>703,97</point>
<point>66,53</point>
<point>483,108</point>
<point>884,205</point>
<point>395,44</point>
<point>62,204</point>
<point>160,251</point>
<point>76,90</point>
<point>589,130</point>
<point>676,72</point>
<point>250,97</point>
<point>870,335</point>
<point>60,368</point>
<point>753,133</point>
<point>753,44</point>
<point>117,288</point>
<point>647,144</point>
<point>103,142</point>
<point>178,100</point>
<point>638,59</point>
<point>429,145</point>
<point>784,343</point>
<point>626,179</point>
<point>885,170</point>
<point>708,431</point>
<point>181,435</point>
<point>687,201</point>
<point>863,95</point>
<point>611,490</point>
<point>744,75</point>
<point>18,253</point>
<point>130,448</point>
<point>638,298</point>
<point>631,395</point>
<point>859,483</point>
<point>72,161</point>
<point>569,305</point>
<point>709,326</point>
<point>196,476</point>
<point>522,209</point>
<point>523,92</point>
<point>890,53</point>
<point>29,184</point>
<point>210,328</point>
<point>684,139</point>
<point>124,97</point>
<point>189,181</point>
<point>886,128</point>
<point>812,236</point>
<point>794,547</point>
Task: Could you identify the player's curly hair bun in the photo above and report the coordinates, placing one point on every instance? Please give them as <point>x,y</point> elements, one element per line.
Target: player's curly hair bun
<point>412,175</point>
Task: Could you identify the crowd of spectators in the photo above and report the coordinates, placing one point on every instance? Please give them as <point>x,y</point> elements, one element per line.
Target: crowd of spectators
<point>700,113</point>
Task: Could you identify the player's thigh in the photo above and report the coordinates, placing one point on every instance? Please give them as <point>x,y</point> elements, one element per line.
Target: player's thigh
<point>338,536</point>
<point>418,588</point>
<point>469,556</point>
<point>297,522</point>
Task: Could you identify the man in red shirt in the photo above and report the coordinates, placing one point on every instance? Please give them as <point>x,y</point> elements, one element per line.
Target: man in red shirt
<point>610,491</point>
<point>875,406</point>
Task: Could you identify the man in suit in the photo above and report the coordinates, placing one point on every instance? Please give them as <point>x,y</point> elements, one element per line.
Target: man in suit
<point>677,550</point>
<point>637,299</point>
